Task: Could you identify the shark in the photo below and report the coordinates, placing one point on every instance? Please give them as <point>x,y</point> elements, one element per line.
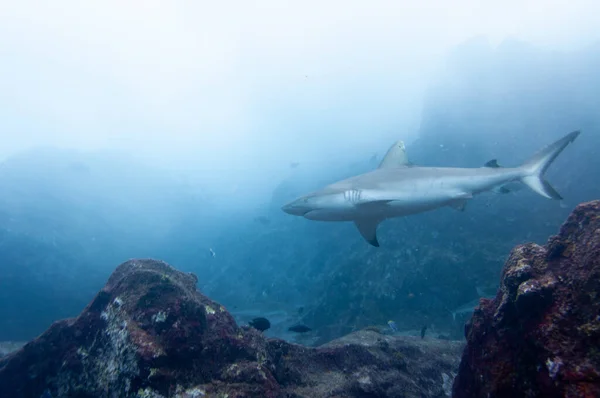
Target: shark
<point>398,188</point>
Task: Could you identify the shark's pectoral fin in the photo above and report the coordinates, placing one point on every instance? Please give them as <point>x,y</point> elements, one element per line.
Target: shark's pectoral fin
<point>460,203</point>
<point>368,229</point>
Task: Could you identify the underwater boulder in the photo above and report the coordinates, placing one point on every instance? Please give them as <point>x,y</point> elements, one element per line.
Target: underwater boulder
<point>540,335</point>
<point>368,363</point>
<point>150,333</point>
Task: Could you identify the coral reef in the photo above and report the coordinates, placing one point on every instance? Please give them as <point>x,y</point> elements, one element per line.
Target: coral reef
<point>540,335</point>
<point>150,333</point>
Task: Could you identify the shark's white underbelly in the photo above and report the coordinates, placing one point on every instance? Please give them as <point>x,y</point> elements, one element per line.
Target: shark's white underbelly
<point>401,208</point>
<point>402,205</point>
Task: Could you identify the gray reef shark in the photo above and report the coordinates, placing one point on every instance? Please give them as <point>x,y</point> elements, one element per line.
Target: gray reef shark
<point>398,188</point>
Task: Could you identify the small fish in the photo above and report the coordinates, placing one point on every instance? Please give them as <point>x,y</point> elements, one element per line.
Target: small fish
<point>393,326</point>
<point>300,310</point>
<point>212,252</point>
<point>293,165</point>
<point>262,220</point>
<point>423,330</point>
<point>46,394</point>
<point>260,323</point>
<point>467,308</point>
<point>79,167</point>
<point>299,329</point>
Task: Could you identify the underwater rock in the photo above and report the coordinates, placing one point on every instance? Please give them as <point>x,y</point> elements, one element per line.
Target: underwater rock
<point>150,333</point>
<point>540,335</point>
<point>366,364</point>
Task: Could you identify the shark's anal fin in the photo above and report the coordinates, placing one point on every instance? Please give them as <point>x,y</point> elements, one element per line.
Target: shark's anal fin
<point>368,229</point>
<point>459,204</point>
<point>501,190</point>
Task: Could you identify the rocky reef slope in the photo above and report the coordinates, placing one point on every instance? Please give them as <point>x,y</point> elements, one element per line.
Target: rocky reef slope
<point>540,336</point>
<point>150,333</point>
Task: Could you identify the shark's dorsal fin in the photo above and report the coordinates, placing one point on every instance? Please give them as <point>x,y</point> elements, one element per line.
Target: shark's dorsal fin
<point>368,229</point>
<point>493,164</point>
<point>395,156</point>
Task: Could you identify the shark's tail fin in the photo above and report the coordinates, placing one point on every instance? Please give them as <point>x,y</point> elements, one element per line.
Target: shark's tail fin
<point>537,165</point>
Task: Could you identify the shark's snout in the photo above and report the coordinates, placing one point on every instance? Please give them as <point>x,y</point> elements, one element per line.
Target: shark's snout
<point>295,208</point>
<point>299,207</point>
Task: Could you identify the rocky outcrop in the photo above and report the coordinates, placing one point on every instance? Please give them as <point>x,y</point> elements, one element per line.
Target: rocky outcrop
<point>540,336</point>
<point>150,333</point>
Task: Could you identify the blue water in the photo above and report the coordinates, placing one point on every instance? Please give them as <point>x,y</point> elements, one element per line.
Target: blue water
<point>68,218</point>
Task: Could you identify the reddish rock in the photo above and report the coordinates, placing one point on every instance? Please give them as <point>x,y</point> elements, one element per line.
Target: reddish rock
<point>540,335</point>
<point>150,333</point>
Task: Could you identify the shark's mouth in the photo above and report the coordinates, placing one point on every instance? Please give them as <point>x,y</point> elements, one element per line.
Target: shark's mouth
<point>327,215</point>
<point>296,210</point>
<point>307,214</point>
